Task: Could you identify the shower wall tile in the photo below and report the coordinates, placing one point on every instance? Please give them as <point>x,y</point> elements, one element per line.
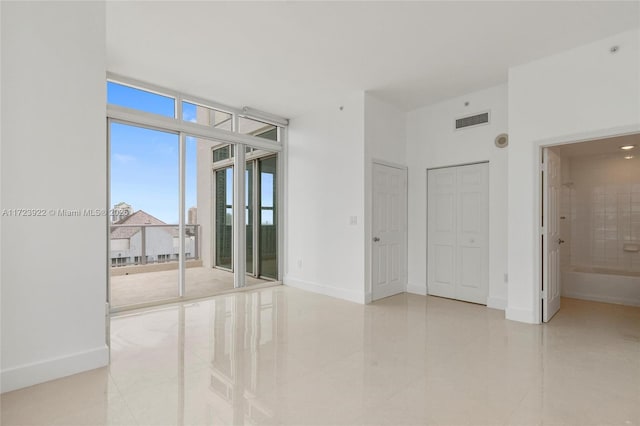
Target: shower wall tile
<point>604,198</point>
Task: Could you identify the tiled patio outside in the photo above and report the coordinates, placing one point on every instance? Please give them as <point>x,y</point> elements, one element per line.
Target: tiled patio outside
<point>145,287</point>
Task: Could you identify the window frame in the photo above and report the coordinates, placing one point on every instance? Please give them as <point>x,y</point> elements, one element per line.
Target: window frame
<point>184,129</point>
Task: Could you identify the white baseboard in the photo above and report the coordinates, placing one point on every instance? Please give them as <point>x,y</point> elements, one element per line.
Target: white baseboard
<point>43,371</point>
<point>338,293</point>
<point>496,303</point>
<point>420,289</point>
<point>520,315</point>
<point>601,298</point>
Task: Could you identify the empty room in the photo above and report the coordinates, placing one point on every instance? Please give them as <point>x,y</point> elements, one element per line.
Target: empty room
<point>320,213</point>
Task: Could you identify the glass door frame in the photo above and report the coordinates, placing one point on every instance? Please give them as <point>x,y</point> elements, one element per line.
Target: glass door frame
<point>176,125</point>
<point>255,206</point>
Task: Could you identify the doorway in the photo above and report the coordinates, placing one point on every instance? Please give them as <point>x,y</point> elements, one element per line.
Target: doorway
<point>457,232</point>
<point>261,212</point>
<point>590,223</point>
<point>389,245</point>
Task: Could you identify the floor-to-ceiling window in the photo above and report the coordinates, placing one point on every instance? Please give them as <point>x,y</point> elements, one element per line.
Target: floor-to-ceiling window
<point>144,217</point>
<point>174,226</point>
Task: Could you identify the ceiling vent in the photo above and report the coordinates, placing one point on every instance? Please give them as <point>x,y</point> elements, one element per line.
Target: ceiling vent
<point>472,120</point>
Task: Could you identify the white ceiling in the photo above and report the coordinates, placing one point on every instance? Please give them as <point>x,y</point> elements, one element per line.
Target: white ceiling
<point>290,57</point>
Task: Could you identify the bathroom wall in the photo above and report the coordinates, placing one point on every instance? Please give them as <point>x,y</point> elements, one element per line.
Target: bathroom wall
<point>566,214</point>
<point>605,211</point>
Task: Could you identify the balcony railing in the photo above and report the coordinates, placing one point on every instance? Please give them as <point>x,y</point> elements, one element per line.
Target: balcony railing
<point>150,244</point>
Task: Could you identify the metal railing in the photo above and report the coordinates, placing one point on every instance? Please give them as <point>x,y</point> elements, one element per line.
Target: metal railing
<point>144,244</point>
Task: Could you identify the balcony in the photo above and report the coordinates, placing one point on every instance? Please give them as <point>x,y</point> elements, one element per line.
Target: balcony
<point>144,265</point>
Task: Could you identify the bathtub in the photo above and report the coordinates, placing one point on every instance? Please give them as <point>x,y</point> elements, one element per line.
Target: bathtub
<point>601,285</point>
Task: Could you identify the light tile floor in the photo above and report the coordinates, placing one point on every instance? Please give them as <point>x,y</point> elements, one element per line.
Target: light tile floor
<point>284,356</point>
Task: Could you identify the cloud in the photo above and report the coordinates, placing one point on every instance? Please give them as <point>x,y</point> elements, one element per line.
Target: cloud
<point>189,116</point>
<point>124,158</point>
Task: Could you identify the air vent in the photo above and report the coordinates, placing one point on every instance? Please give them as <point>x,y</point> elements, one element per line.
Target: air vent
<point>472,120</point>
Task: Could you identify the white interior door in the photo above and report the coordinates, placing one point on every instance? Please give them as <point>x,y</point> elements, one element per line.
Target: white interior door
<point>552,185</point>
<point>458,228</point>
<point>389,245</point>
<point>472,262</point>
<point>442,232</point>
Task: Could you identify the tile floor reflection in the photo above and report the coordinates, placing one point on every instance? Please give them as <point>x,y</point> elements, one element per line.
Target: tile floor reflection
<point>284,356</point>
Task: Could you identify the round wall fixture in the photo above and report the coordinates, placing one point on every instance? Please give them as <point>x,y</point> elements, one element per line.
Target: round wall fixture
<point>502,140</point>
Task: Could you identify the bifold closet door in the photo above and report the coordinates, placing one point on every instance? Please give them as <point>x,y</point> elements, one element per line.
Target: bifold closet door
<point>457,232</point>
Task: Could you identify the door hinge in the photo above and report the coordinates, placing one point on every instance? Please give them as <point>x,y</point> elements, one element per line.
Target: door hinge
<point>543,295</point>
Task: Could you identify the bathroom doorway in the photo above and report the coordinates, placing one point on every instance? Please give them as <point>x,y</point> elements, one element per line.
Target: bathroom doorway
<point>590,223</point>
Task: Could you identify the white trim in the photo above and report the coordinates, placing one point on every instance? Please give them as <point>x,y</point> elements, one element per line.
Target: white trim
<point>537,159</point>
<point>388,164</point>
<point>339,293</point>
<point>282,196</point>
<point>182,179</point>
<point>54,368</point>
<point>141,85</point>
<point>521,315</point>
<point>420,289</point>
<point>239,227</point>
<point>459,165</point>
<point>107,228</point>
<point>497,303</point>
<point>140,118</point>
<point>264,117</point>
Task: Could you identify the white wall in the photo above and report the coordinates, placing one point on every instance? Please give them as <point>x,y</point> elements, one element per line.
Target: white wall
<point>325,156</point>
<point>605,211</point>
<point>579,94</point>
<point>385,140</point>
<point>433,142</point>
<point>53,156</point>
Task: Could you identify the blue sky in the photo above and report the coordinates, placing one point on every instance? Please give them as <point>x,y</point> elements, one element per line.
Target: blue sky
<point>145,162</point>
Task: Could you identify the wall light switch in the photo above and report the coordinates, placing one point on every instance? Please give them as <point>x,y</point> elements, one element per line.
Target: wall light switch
<point>353,220</point>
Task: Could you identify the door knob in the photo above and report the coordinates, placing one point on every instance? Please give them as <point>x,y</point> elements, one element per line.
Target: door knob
<point>376,239</point>
<point>560,241</point>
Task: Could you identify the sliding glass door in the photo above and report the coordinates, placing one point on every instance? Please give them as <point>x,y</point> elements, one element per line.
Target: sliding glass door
<point>249,217</point>
<point>261,213</point>
<point>224,217</point>
<point>143,224</point>
<point>268,236</point>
